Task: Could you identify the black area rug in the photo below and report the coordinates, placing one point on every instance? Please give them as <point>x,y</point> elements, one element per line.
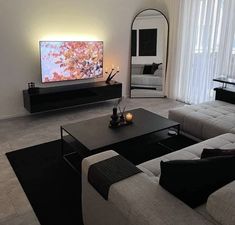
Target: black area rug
<point>54,189</point>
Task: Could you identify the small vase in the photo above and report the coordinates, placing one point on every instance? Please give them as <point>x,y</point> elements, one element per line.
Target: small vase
<point>122,118</point>
<point>115,119</point>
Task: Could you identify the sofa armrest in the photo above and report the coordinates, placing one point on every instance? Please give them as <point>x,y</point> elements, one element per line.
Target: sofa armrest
<point>87,162</point>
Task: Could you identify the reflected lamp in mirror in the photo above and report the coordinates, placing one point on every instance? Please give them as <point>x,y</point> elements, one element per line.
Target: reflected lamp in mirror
<point>112,73</point>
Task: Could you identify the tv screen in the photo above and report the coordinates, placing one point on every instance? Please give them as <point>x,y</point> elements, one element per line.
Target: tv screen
<point>71,60</point>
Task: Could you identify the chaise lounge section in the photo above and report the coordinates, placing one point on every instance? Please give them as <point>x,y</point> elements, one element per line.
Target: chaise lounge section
<point>205,120</point>
<point>140,200</point>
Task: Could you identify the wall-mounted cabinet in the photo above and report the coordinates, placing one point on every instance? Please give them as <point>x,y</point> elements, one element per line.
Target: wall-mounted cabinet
<point>49,98</point>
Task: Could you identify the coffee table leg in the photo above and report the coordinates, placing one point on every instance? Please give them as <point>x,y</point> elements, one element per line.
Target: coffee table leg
<point>62,141</point>
<point>178,129</point>
<point>64,152</point>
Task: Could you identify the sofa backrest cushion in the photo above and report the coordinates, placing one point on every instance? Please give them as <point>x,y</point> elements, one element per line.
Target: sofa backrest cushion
<point>192,181</point>
<point>208,152</point>
<point>158,73</point>
<point>137,69</point>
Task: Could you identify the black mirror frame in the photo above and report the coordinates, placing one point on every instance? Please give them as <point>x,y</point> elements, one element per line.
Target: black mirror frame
<point>167,48</point>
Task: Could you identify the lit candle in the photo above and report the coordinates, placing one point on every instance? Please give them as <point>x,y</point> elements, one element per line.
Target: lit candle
<point>129,117</point>
<point>106,70</point>
<point>112,67</point>
<point>118,68</point>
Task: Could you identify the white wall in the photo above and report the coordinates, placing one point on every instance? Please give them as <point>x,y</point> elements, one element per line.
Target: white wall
<point>173,7</point>
<point>24,22</point>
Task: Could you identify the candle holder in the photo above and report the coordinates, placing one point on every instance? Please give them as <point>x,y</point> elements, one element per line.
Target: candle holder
<point>111,74</point>
<point>129,118</point>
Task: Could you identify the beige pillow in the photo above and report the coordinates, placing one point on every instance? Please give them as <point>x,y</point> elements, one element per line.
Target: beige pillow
<point>158,73</point>
<point>160,67</point>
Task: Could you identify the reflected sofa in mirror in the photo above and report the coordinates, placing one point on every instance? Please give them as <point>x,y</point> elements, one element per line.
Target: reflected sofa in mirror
<point>149,40</point>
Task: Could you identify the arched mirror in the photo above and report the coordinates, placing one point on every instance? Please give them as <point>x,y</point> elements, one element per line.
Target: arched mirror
<point>149,42</point>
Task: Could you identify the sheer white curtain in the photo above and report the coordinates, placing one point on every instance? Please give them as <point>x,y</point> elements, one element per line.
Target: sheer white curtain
<point>205,48</point>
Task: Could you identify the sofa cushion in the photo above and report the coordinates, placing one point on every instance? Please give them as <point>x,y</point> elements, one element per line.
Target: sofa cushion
<point>146,80</point>
<point>158,73</point>
<point>209,152</point>
<point>205,120</point>
<point>160,67</point>
<point>221,204</point>
<point>225,141</point>
<point>137,69</point>
<point>144,202</point>
<point>203,211</point>
<point>192,181</point>
<point>155,67</point>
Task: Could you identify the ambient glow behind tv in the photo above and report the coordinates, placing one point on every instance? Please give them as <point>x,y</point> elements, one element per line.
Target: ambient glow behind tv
<point>71,60</point>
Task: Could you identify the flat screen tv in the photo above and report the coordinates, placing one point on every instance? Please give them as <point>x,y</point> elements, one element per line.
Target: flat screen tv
<point>71,60</point>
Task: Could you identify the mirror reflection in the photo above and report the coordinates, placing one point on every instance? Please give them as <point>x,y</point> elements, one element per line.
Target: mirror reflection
<point>148,54</point>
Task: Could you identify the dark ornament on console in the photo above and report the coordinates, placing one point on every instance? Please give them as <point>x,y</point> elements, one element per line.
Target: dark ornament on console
<point>115,118</point>
<point>111,74</point>
<point>32,88</point>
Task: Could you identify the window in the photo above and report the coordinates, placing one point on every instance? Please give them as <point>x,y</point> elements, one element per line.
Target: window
<point>209,26</point>
<point>205,48</point>
<point>233,45</point>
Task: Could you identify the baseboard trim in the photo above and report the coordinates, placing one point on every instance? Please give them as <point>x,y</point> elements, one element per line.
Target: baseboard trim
<point>14,116</point>
<point>24,114</point>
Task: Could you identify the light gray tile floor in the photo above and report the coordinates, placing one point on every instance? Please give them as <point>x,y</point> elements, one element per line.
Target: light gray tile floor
<point>21,132</point>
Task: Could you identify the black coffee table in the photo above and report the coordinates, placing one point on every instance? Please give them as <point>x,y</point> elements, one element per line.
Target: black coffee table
<point>94,135</point>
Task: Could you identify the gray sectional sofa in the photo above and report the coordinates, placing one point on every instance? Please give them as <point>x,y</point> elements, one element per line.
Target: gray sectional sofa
<point>140,200</point>
<point>140,80</point>
<point>205,120</point>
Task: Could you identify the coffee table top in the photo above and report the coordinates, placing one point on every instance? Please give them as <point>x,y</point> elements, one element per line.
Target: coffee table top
<point>225,80</point>
<point>96,133</point>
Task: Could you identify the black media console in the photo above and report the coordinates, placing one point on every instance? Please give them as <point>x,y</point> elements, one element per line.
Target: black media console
<point>223,93</point>
<point>49,98</point>
<point>226,95</point>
